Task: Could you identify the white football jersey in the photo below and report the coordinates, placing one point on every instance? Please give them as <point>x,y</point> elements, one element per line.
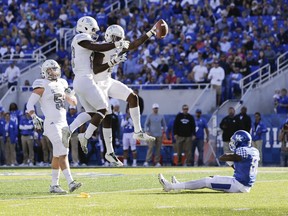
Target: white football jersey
<point>52,99</point>
<point>82,58</point>
<point>108,56</point>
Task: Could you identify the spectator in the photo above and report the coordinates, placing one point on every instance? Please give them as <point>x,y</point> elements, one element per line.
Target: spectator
<point>243,120</point>
<point>216,76</point>
<point>282,102</point>
<point>229,126</point>
<point>128,140</point>
<point>154,125</point>
<point>10,139</point>
<point>201,126</point>
<point>26,128</point>
<point>276,97</point>
<point>71,115</point>
<point>199,72</point>
<point>2,135</point>
<point>12,73</point>
<point>184,129</point>
<point>257,132</point>
<point>283,138</point>
<point>15,113</point>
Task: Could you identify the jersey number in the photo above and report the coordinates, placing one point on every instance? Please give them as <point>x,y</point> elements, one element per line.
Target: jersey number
<point>59,101</point>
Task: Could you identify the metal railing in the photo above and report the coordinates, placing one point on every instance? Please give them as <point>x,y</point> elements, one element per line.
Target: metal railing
<point>282,60</point>
<point>46,48</point>
<point>257,77</point>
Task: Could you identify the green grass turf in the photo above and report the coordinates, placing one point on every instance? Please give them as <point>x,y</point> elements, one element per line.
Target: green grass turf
<point>136,191</point>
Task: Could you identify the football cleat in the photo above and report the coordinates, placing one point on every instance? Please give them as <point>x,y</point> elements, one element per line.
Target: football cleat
<point>74,185</point>
<point>174,180</point>
<point>114,161</point>
<point>66,135</point>
<point>56,189</point>
<point>167,186</point>
<point>83,142</point>
<point>143,136</point>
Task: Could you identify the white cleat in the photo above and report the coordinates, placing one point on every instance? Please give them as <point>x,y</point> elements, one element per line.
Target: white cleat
<point>74,185</point>
<point>114,161</point>
<point>167,186</point>
<point>56,189</point>
<point>66,135</point>
<point>174,180</point>
<point>143,136</point>
<point>83,142</point>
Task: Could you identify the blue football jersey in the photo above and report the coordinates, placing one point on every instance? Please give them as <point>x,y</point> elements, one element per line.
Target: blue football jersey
<point>246,170</point>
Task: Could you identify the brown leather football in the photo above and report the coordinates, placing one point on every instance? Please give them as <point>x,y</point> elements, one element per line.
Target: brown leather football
<point>161,29</point>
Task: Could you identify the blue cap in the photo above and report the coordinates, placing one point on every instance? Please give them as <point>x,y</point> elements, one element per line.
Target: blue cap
<point>198,111</point>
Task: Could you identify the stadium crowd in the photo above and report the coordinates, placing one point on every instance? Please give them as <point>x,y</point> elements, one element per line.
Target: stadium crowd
<point>242,35</point>
<point>236,36</point>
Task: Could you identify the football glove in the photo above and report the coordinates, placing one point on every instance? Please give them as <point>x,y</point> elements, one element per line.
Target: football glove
<point>117,60</point>
<point>122,44</point>
<point>152,31</point>
<point>69,92</point>
<point>38,122</point>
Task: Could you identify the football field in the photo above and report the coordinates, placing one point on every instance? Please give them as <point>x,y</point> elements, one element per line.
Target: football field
<point>136,191</point>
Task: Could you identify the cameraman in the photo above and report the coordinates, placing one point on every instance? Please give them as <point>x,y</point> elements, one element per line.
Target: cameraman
<point>283,137</point>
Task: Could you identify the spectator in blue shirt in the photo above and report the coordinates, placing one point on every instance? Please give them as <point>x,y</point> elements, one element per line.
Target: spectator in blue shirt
<point>26,128</point>
<point>258,129</point>
<point>282,102</point>
<point>2,126</point>
<point>201,126</point>
<point>71,115</point>
<point>10,139</point>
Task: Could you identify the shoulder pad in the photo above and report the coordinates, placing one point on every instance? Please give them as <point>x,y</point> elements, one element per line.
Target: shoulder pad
<point>82,37</point>
<point>39,83</point>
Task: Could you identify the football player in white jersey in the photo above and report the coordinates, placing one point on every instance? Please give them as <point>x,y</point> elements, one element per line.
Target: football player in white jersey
<point>51,92</point>
<point>90,95</point>
<point>244,161</point>
<point>114,88</point>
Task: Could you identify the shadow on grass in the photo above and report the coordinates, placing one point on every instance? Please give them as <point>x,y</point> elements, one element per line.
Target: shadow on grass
<point>173,193</point>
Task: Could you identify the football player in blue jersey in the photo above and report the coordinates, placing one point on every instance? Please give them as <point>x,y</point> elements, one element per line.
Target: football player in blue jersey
<point>244,161</point>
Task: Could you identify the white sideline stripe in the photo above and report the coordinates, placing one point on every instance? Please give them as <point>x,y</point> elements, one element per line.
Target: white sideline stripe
<point>76,194</point>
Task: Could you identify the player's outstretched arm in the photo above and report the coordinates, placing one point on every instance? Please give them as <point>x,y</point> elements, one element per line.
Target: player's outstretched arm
<point>103,47</point>
<point>230,157</point>
<point>138,42</point>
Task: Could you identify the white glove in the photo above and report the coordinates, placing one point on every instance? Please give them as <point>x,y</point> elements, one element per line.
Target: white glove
<point>122,44</point>
<point>117,60</point>
<point>38,122</point>
<point>152,31</point>
<point>69,92</point>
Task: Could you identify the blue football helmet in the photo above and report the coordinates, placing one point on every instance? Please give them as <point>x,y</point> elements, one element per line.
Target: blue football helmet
<point>240,138</point>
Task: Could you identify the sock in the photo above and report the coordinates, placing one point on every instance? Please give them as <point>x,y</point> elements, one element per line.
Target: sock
<point>55,176</point>
<point>135,115</point>
<point>67,175</point>
<point>89,131</point>
<point>80,120</point>
<point>192,185</point>
<point>107,134</point>
<point>103,161</point>
<point>125,161</point>
<point>134,161</point>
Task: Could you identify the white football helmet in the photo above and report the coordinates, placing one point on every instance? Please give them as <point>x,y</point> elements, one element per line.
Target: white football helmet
<point>50,70</point>
<point>114,33</point>
<point>87,25</point>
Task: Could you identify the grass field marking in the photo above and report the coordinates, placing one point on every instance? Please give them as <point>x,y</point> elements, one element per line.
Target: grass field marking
<point>91,193</point>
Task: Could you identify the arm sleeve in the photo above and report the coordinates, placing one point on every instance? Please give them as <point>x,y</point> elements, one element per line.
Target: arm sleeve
<point>33,99</point>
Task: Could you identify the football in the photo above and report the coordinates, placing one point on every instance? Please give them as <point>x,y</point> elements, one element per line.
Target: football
<point>161,29</point>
